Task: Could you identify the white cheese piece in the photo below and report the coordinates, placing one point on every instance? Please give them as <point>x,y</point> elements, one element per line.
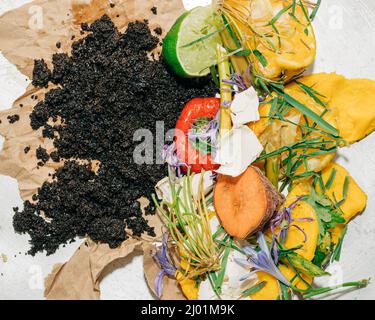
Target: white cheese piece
<point>245,107</point>
<point>237,149</point>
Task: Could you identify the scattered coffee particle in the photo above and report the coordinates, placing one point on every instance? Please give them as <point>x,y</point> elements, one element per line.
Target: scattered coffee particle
<point>41,74</point>
<point>21,105</point>
<point>112,5</point>
<point>58,45</point>
<point>27,149</point>
<point>107,89</point>
<point>14,118</point>
<point>48,132</point>
<point>154,10</point>
<point>42,154</point>
<point>73,37</point>
<point>158,31</point>
<point>55,156</point>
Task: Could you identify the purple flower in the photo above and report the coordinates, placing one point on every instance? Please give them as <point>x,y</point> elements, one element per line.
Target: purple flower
<point>169,155</point>
<point>261,261</point>
<point>237,81</point>
<point>206,133</point>
<point>240,81</point>
<point>283,220</point>
<point>166,264</point>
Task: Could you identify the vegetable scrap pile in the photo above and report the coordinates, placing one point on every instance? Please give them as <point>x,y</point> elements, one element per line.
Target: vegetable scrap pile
<point>273,132</point>
<point>252,203</point>
<point>107,88</point>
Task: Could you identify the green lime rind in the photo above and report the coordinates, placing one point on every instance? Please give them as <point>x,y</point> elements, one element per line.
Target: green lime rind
<point>169,48</point>
<point>189,48</point>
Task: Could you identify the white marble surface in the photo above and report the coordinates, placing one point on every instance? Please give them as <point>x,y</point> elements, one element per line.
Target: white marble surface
<point>346,41</point>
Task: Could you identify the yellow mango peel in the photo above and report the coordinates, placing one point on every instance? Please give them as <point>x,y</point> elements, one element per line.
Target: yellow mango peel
<point>272,291</point>
<point>352,101</point>
<point>355,200</point>
<point>281,45</point>
<point>350,107</point>
<point>189,287</point>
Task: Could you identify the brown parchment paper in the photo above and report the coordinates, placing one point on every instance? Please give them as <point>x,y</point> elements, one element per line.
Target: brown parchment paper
<point>31,32</point>
<point>171,289</point>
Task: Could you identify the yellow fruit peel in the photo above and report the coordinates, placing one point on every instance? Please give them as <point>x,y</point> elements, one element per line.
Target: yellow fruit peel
<point>287,44</point>
<point>356,198</point>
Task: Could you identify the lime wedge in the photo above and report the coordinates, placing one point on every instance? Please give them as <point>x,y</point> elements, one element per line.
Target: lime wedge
<point>190,46</point>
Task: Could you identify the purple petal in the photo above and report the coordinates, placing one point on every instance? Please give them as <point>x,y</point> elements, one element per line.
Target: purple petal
<point>247,276</point>
<point>303,231</point>
<point>242,262</point>
<point>263,245</point>
<point>294,204</point>
<point>278,275</point>
<point>158,284</point>
<point>275,251</point>
<point>230,82</point>
<point>262,260</point>
<point>249,251</point>
<point>303,219</point>
<point>225,104</point>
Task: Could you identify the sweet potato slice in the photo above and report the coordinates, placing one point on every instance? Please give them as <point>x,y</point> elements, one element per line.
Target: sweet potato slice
<point>246,203</point>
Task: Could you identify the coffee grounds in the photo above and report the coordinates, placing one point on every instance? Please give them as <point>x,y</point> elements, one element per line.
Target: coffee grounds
<point>158,31</point>
<point>41,74</point>
<point>107,90</point>
<point>42,154</point>
<point>13,119</point>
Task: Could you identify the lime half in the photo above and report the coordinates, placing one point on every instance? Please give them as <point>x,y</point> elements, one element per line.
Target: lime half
<point>190,46</point>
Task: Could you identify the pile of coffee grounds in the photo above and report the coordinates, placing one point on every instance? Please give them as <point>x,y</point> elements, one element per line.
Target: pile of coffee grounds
<point>107,88</point>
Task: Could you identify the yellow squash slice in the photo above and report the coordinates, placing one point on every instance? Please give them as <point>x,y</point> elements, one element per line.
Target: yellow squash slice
<point>278,33</point>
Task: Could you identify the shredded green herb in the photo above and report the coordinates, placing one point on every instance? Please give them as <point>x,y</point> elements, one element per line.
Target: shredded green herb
<point>254,289</point>
<point>312,93</point>
<point>337,251</point>
<point>261,58</point>
<point>315,10</point>
<point>331,178</point>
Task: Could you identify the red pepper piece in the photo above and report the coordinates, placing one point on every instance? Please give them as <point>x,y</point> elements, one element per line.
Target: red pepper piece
<point>186,152</point>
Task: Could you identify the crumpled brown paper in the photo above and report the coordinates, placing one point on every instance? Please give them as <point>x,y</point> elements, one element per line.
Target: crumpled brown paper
<point>31,32</point>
